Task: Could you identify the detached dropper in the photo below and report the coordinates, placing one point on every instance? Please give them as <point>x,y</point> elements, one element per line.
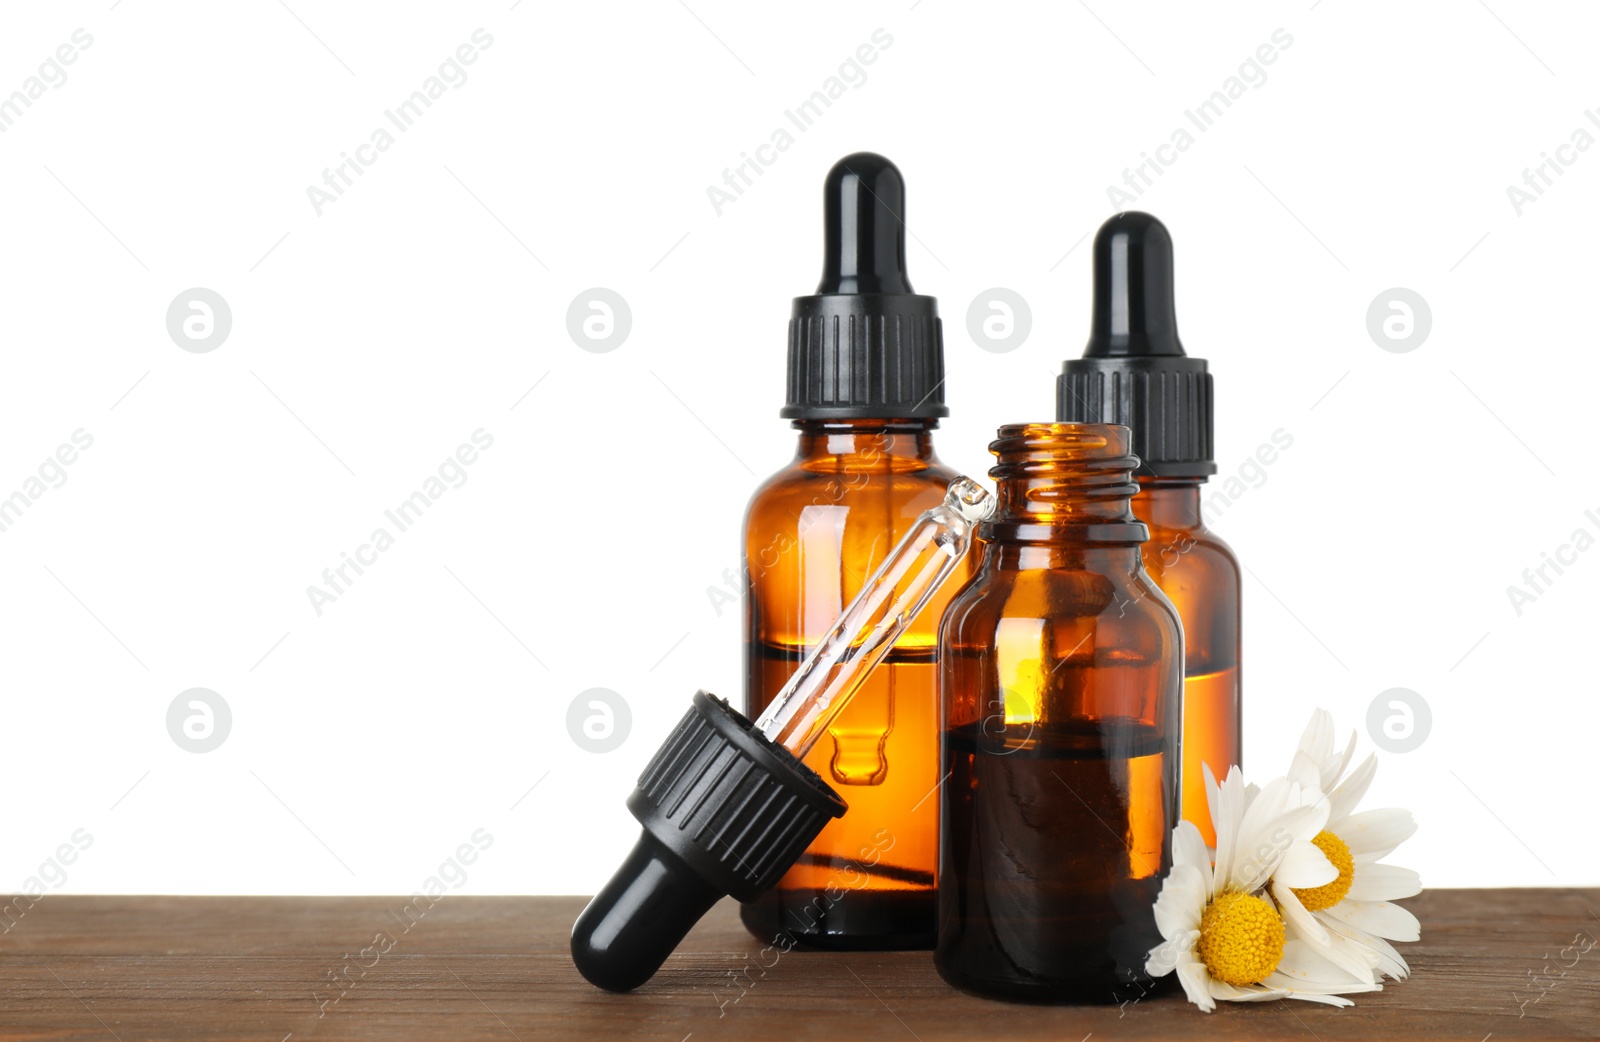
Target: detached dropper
<point>726,805</point>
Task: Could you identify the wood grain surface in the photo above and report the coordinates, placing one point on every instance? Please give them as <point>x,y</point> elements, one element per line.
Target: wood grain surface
<point>1500,963</point>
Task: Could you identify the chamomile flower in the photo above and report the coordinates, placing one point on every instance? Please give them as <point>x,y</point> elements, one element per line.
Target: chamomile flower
<point>1350,919</point>
<point>1225,938</point>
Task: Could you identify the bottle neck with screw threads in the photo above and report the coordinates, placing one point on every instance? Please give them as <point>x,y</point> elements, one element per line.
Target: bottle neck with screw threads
<point>1064,484</point>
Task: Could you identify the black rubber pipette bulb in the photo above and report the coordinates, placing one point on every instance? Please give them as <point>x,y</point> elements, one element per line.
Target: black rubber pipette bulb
<point>1134,312</point>
<point>864,227</point>
<point>634,923</point>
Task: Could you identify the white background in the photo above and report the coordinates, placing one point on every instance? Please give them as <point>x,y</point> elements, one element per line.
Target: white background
<point>368,342</point>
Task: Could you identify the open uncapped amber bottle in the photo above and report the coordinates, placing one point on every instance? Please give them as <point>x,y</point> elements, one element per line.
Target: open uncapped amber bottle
<point>865,391</point>
<point>1060,672</point>
<point>1134,372</point>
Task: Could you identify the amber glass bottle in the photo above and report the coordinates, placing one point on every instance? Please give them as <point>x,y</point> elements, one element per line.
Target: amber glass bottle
<point>1060,674</point>
<point>865,392</point>
<point>1134,372</point>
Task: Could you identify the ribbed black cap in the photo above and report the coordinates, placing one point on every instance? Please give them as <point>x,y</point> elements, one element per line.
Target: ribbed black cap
<point>735,807</point>
<point>725,811</point>
<point>1134,371</point>
<point>865,346</point>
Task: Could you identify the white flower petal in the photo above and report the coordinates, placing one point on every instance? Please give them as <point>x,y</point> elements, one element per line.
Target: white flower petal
<point>1304,866</point>
<point>1389,961</point>
<point>1326,1000</point>
<point>1337,957</point>
<point>1196,983</point>
<point>1214,808</point>
<point>1316,741</point>
<point>1163,958</point>
<point>1213,795</point>
<point>1253,993</point>
<point>1343,800</point>
<point>1377,831</point>
<point>1262,838</point>
<point>1262,846</point>
<point>1188,848</point>
<point>1333,769</point>
<point>1181,901</point>
<point>1305,771</point>
<point>1311,818</point>
<point>1275,798</point>
<point>1361,961</point>
<point>1302,812</point>
<point>1383,883</point>
<point>1378,917</point>
<point>1295,917</point>
<point>1227,809</point>
<point>1174,915</point>
<point>1332,994</point>
<point>1316,764</point>
<point>1281,988</point>
<point>1326,968</point>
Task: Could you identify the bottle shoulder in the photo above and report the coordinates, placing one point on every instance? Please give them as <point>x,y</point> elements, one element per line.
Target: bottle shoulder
<point>1053,617</point>
<point>811,540</point>
<point>1049,594</point>
<point>1198,533</point>
<point>1193,557</point>
<point>788,491</point>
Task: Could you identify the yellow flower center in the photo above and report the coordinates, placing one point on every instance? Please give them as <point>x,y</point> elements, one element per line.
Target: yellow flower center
<point>1241,938</point>
<point>1327,895</point>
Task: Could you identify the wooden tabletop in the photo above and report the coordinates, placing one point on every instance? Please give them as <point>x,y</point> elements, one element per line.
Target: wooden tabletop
<point>267,969</point>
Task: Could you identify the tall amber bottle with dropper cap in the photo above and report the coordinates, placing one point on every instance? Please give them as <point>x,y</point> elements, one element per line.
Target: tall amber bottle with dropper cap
<point>1134,372</point>
<point>865,391</point>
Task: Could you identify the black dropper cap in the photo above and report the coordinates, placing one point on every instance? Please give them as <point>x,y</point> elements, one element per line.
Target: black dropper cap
<point>725,811</point>
<point>865,346</point>
<point>1134,371</point>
